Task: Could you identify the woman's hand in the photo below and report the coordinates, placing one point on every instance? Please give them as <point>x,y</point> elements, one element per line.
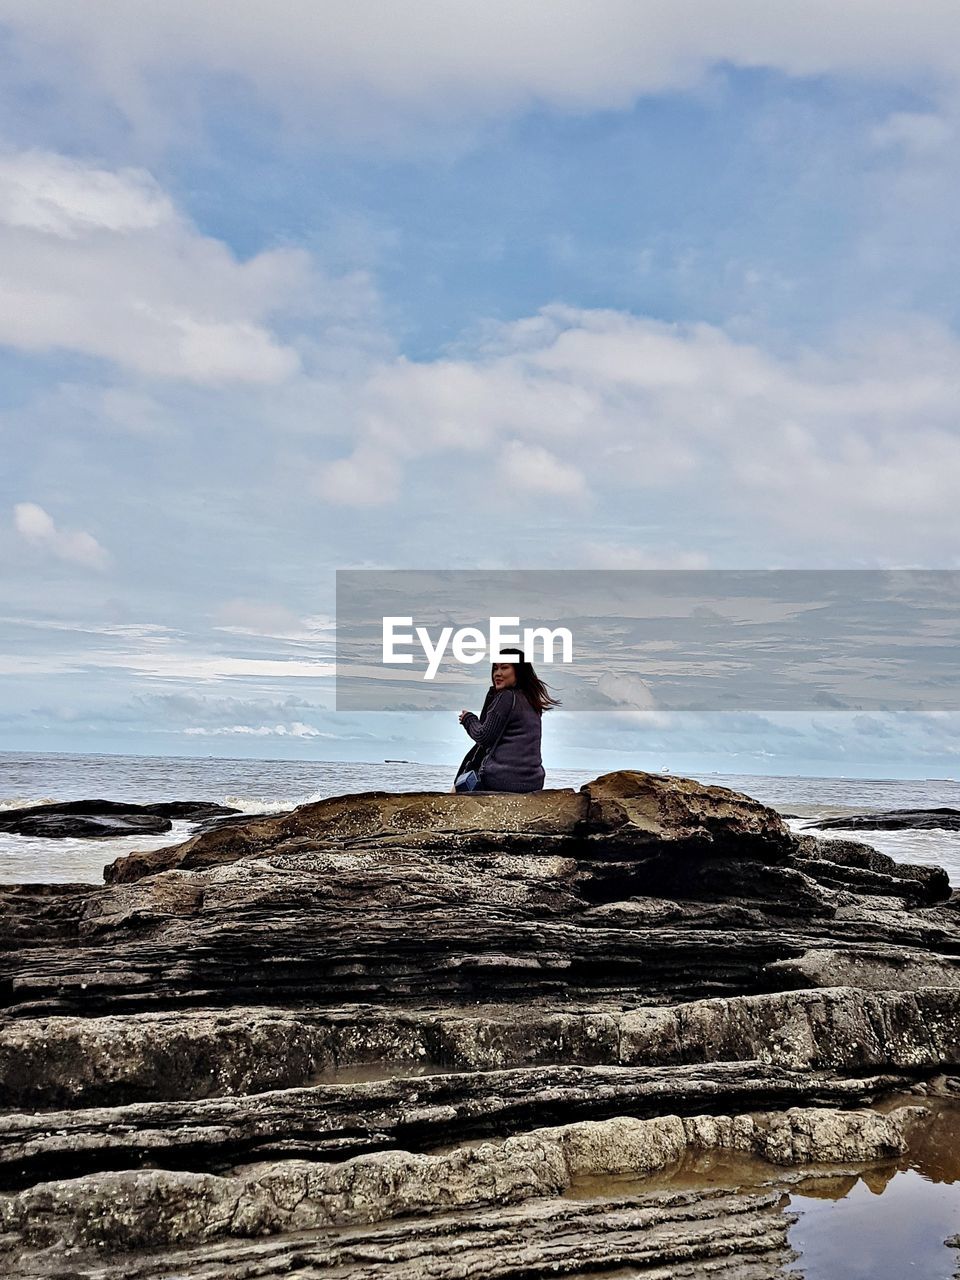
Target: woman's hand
<point>462,714</point>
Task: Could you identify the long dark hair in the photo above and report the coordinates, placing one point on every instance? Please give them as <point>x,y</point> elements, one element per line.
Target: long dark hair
<point>528,682</point>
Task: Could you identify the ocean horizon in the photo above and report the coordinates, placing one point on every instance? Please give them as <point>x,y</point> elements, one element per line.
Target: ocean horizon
<point>256,786</point>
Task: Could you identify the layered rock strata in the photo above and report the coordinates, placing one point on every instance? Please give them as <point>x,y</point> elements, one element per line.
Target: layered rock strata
<point>393,1032</point>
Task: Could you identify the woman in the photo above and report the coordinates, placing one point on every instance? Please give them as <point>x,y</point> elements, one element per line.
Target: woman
<point>507,730</point>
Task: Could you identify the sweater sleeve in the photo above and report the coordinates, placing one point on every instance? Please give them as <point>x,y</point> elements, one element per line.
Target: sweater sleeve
<point>490,728</point>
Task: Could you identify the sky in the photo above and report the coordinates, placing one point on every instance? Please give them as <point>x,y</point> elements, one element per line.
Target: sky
<point>587,284</point>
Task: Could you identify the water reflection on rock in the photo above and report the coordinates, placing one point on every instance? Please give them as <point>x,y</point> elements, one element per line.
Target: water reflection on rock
<point>883,1221</point>
<point>891,1221</point>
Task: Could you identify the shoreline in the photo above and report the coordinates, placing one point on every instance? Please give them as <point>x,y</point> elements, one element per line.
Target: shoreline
<point>82,859</point>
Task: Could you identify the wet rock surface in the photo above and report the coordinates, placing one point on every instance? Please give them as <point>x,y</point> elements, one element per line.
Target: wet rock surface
<point>87,819</point>
<point>392,1031</point>
<point>944,819</point>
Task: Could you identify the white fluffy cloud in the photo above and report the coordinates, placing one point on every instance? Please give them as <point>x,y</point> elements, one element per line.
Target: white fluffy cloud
<point>531,468</point>
<point>38,528</point>
<point>295,730</point>
<point>374,58</point>
<point>368,477</point>
<point>102,263</point>
<point>862,437</point>
<point>40,191</point>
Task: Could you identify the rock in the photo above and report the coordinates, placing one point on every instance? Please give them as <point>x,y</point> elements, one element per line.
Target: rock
<point>848,863</point>
<point>798,1135</point>
<point>425,818</point>
<point>841,1029</point>
<point>85,819</point>
<point>636,811</point>
<point>662,1236</point>
<point>192,810</point>
<point>944,819</point>
<point>446,1010</point>
<point>335,927</point>
<point>40,914</point>
<point>55,826</point>
<point>138,1209</point>
<point>873,970</point>
<point>328,1121</point>
<point>660,809</point>
<point>67,1062</point>
<point>70,1062</point>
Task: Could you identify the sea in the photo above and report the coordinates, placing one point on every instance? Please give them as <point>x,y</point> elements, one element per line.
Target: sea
<point>271,786</point>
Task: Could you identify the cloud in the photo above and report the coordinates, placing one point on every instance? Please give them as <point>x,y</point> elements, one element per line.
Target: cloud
<point>362,66</point>
<point>524,397</point>
<point>623,689</point>
<point>259,618</point>
<point>37,527</point>
<point>533,469</point>
<point>101,263</point>
<point>159,653</point>
<point>917,132</point>
<point>214,713</point>
<point>859,439</point>
<point>40,191</point>
<point>206,667</point>
<point>614,555</point>
<point>296,730</point>
<point>368,477</point>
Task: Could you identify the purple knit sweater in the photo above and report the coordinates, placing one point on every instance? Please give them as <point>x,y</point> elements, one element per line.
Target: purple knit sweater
<point>511,722</point>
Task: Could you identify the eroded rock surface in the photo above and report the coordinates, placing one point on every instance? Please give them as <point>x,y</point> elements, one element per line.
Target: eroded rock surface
<point>629,810</point>
<point>298,1194</point>
<point>424,1015</point>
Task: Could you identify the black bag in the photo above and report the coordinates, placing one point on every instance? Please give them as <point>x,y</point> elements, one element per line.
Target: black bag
<point>471,766</point>
<point>467,777</point>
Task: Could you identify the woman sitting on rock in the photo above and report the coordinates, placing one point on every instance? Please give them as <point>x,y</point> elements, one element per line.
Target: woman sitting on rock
<point>506,754</point>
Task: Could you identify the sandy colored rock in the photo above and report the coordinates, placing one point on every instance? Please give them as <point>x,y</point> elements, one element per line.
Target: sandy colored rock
<point>656,807</point>
<point>379,815</point>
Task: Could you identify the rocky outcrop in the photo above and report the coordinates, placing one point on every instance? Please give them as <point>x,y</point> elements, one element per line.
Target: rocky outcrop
<point>412,1114</point>
<point>445,1010</point>
<point>666,1236</point>
<point>88,819</point>
<point>136,1210</point>
<point>840,863</point>
<point>636,812</point>
<point>70,1062</point>
<point>944,819</point>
